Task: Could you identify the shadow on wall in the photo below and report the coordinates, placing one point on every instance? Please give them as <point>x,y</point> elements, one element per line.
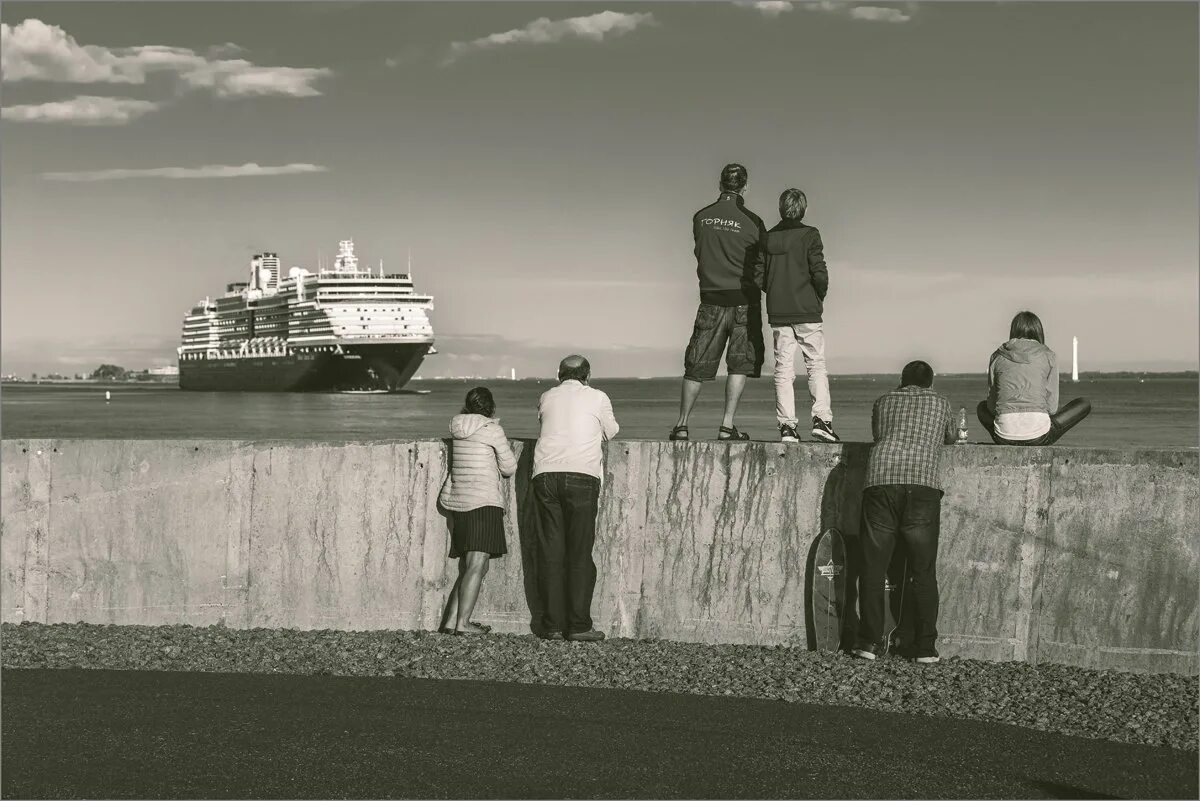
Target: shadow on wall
<point>841,500</point>
<point>448,516</point>
<point>528,526</point>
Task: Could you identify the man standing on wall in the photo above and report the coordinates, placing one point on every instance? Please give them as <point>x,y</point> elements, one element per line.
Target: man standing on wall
<point>567,467</point>
<point>796,281</point>
<point>728,239</point>
<point>902,498</point>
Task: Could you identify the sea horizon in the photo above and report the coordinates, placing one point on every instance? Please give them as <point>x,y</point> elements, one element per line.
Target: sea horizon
<point>1124,414</point>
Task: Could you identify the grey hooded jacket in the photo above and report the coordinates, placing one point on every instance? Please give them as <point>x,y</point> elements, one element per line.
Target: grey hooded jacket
<point>1023,377</point>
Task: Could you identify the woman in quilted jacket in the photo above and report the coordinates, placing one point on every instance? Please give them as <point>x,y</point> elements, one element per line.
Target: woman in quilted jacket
<point>480,459</point>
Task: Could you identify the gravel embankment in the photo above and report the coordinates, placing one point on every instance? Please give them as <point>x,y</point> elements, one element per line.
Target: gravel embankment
<point>1159,709</point>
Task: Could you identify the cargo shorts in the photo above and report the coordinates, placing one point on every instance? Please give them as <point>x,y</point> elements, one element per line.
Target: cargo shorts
<point>736,330</point>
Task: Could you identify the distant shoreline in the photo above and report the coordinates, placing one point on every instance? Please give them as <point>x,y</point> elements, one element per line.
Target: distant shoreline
<point>1192,374</point>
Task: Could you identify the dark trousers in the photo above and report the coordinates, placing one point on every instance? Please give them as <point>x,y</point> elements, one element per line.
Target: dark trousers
<point>566,574</point>
<point>1061,422</point>
<point>911,513</point>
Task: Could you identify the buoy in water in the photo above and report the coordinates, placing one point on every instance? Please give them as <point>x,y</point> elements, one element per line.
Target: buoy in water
<point>107,396</point>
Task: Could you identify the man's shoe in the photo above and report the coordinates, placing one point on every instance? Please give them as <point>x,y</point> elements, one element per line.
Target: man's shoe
<point>929,657</point>
<point>552,635</point>
<point>824,431</point>
<point>788,434</point>
<point>591,635</point>
<point>868,652</point>
<point>731,434</point>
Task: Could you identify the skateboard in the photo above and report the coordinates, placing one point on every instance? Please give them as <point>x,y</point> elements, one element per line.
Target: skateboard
<point>828,589</point>
<point>894,586</point>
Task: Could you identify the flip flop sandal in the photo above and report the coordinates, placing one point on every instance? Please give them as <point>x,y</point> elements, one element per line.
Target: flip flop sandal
<point>679,434</point>
<point>447,630</point>
<point>469,633</point>
<point>731,434</point>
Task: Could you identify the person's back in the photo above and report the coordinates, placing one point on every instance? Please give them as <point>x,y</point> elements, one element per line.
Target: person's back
<point>796,277</point>
<point>575,421</point>
<point>727,245</point>
<point>1021,407</point>
<point>902,502</point>
<point>909,425</point>
<point>1023,377</point>
<point>567,471</point>
<point>479,456</point>
<point>796,280</point>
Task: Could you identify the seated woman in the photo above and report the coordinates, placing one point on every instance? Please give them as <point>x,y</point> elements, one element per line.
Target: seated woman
<point>1022,403</point>
<point>480,459</point>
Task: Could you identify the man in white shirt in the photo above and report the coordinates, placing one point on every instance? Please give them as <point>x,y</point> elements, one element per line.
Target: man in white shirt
<point>568,463</point>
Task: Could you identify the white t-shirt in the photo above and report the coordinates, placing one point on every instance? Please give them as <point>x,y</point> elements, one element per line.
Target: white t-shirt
<point>1021,426</point>
<point>576,420</point>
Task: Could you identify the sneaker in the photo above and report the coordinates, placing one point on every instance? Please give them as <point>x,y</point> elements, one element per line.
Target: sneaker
<point>824,431</point>
<point>867,652</point>
<point>929,657</point>
<point>591,635</point>
<point>788,434</point>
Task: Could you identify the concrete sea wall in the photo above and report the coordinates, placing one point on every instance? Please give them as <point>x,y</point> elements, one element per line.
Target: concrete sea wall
<point>1074,556</point>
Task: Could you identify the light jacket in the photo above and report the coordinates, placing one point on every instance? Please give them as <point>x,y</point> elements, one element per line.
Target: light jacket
<point>1023,377</point>
<point>576,421</point>
<point>479,456</point>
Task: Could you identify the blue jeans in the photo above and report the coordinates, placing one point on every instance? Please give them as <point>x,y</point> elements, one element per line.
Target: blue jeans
<point>912,513</point>
<point>566,574</point>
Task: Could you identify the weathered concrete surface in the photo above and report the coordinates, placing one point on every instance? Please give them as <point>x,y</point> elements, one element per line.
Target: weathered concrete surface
<point>1082,557</point>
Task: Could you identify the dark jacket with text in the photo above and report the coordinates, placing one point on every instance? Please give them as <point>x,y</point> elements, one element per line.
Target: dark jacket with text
<point>794,275</point>
<point>728,251</point>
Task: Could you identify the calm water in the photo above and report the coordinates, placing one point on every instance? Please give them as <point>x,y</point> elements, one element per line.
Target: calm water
<point>1159,412</point>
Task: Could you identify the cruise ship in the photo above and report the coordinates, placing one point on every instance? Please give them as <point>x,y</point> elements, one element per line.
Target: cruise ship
<point>343,328</point>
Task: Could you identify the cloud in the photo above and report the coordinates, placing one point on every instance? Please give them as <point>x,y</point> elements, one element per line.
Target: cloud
<point>546,31</point>
<point>240,78</point>
<point>772,8</point>
<point>82,110</point>
<point>863,13</point>
<point>208,171</point>
<point>225,50</point>
<point>879,14</point>
<point>35,51</point>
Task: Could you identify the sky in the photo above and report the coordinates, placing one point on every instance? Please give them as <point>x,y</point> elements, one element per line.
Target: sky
<point>542,162</point>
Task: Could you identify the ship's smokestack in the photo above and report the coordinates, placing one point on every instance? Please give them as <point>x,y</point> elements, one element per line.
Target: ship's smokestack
<point>270,266</point>
<point>255,267</point>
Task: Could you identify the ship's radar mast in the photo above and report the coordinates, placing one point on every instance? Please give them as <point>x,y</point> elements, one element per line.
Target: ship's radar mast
<point>346,261</point>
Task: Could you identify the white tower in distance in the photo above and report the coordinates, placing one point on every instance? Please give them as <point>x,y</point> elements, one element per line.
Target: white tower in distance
<point>1075,359</point>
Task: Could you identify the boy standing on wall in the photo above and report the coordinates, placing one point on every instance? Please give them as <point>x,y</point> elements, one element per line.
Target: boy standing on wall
<point>795,279</point>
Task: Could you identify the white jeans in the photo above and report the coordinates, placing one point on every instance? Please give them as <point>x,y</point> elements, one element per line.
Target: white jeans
<point>811,341</point>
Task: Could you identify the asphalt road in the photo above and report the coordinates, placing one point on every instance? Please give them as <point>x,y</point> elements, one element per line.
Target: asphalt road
<point>125,734</point>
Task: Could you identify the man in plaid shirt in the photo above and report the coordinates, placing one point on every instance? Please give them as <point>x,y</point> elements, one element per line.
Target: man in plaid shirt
<point>902,497</point>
